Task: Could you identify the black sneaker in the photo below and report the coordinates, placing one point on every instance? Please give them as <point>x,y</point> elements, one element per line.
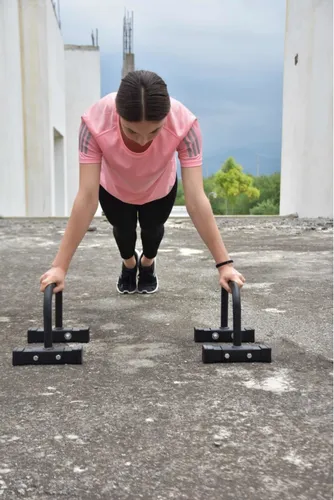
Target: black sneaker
<point>148,280</point>
<point>127,282</point>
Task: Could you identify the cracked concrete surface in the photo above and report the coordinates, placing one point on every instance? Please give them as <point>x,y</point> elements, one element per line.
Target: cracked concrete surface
<point>143,418</point>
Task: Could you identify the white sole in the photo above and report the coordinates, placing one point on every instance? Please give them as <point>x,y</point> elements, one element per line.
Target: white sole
<point>148,293</point>
<point>157,288</point>
<point>126,293</point>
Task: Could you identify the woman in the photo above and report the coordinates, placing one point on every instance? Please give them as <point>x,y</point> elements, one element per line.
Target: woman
<point>127,146</point>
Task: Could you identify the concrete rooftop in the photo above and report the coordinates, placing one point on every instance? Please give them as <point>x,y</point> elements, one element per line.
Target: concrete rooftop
<point>143,418</point>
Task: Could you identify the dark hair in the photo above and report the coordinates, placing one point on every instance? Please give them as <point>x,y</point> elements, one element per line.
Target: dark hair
<point>142,95</point>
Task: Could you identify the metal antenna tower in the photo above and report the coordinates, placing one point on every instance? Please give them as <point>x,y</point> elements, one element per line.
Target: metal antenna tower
<point>127,33</point>
<point>128,55</point>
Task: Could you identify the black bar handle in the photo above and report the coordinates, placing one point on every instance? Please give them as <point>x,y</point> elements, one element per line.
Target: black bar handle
<point>236,313</point>
<point>224,309</point>
<point>59,310</point>
<point>47,315</point>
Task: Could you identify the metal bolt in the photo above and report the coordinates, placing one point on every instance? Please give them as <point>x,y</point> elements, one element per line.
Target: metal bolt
<point>58,357</point>
<point>68,336</point>
<point>35,358</point>
<point>227,356</point>
<point>215,336</point>
<point>249,356</point>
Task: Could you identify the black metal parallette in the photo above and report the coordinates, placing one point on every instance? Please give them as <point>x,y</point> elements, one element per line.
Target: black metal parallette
<point>59,334</point>
<point>224,333</point>
<point>52,356</point>
<point>237,352</point>
<point>48,354</point>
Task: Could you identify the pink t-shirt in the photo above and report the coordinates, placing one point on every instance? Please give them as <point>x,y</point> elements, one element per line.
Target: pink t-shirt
<point>138,178</point>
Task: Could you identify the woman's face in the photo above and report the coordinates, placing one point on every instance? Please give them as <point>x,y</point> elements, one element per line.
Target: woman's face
<point>141,132</point>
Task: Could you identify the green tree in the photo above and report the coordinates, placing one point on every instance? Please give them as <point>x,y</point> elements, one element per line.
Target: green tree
<point>267,207</point>
<point>231,182</point>
<point>217,202</point>
<point>270,186</point>
<point>243,204</point>
<point>267,203</point>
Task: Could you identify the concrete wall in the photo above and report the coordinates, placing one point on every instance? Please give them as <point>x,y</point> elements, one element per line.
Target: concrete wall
<point>307,141</point>
<point>42,62</point>
<point>12,185</point>
<point>57,110</point>
<point>36,112</point>
<point>83,88</point>
<point>42,101</point>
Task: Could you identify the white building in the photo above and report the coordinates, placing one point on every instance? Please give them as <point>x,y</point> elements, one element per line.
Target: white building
<point>307,142</point>
<point>44,89</point>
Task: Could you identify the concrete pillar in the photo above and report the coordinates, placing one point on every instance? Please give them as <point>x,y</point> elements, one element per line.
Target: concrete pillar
<point>12,175</point>
<point>57,112</point>
<point>307,137</point>
<point>36,119</point>
<point>83,89</point>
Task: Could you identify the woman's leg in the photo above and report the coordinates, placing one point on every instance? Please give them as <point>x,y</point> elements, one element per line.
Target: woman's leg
<point>123,217</point>
<point>152,217</point>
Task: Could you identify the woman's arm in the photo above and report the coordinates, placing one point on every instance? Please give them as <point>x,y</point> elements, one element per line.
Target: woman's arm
<point>83,211</point>
<point>200,212</point>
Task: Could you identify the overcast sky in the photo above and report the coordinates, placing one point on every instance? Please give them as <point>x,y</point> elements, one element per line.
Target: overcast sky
<point>222,58</point>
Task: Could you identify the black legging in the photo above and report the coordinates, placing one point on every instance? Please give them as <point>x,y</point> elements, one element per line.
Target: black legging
<point>123,217</point>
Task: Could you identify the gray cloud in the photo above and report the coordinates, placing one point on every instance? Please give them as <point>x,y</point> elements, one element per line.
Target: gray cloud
<point>176,26</point>
<point>222,58</point>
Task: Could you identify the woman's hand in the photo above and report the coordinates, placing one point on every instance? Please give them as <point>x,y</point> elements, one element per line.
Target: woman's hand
<point>228,273</point>
<point>54,275</point>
